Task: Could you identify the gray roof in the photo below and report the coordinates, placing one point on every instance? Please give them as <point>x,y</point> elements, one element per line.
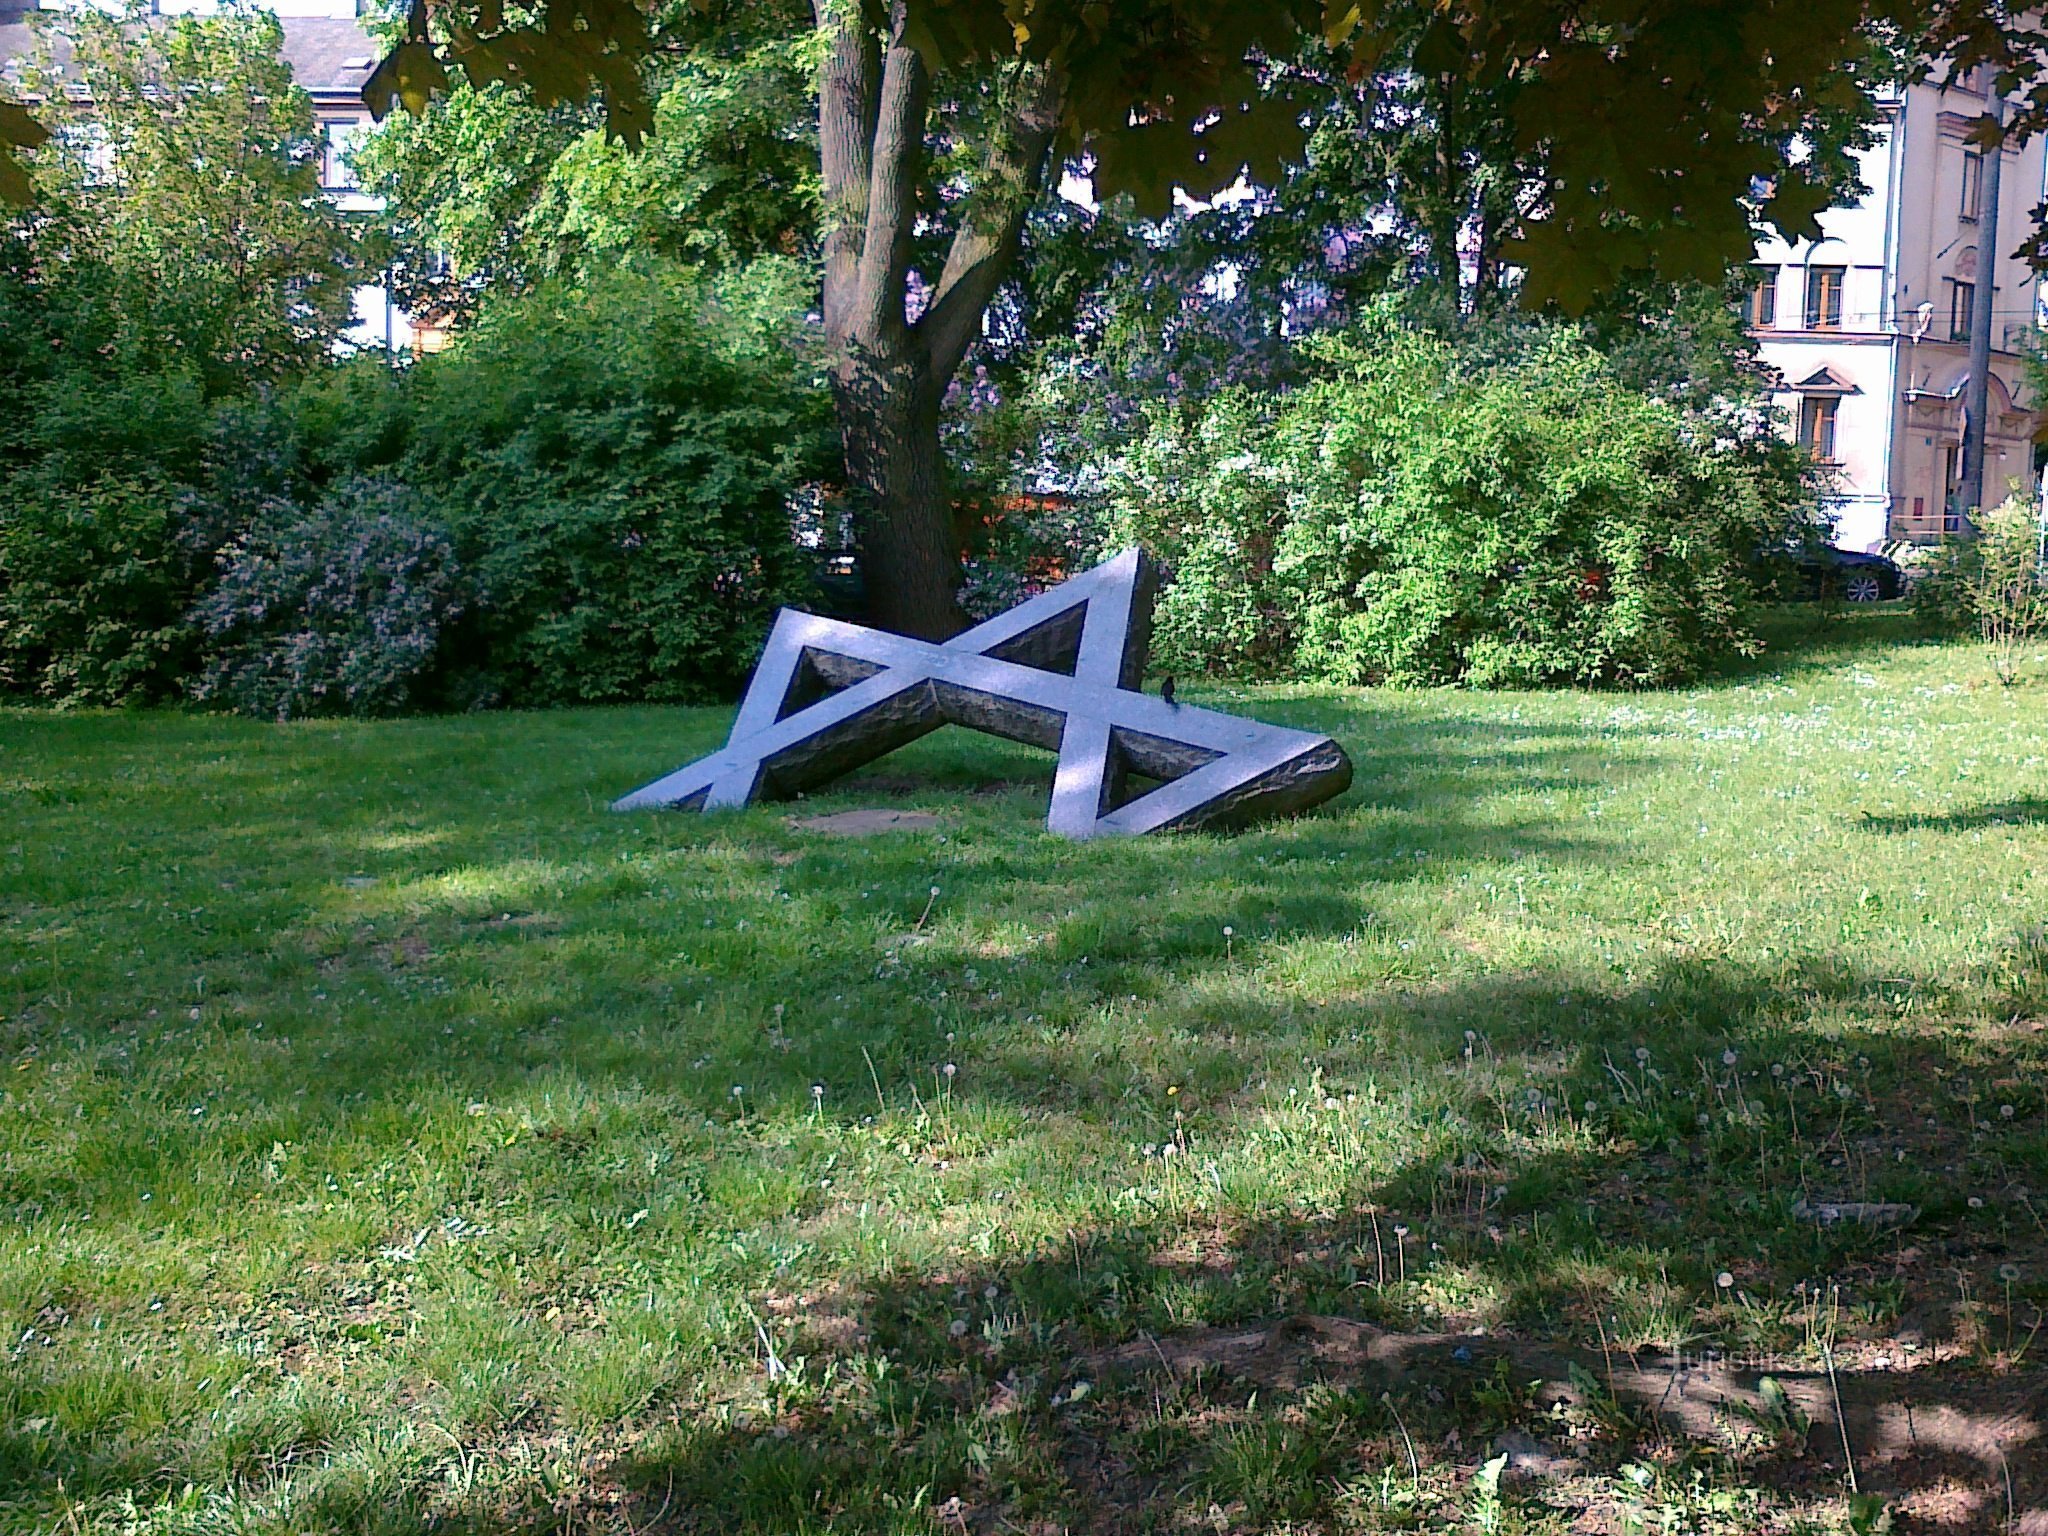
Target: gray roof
<point>331,56</point>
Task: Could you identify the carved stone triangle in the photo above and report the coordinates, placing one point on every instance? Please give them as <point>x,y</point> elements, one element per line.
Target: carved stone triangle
<point>1060,671</point>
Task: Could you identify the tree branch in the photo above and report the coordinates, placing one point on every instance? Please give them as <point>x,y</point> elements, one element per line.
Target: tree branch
<point>992,225</point>
<point>898,158</point>
<point>846,131</point>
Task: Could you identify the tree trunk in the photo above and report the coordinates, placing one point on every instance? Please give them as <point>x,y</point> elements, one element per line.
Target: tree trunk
<point>890,371</point>
<point>910,553</point>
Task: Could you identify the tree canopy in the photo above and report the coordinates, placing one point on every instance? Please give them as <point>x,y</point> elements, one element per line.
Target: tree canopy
<point>1656,127</point>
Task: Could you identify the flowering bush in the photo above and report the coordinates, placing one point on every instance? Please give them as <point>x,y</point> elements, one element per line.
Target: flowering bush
<point>338,610</point>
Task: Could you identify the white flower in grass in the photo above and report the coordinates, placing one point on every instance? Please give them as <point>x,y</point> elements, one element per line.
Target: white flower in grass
<point>1729,1058</point>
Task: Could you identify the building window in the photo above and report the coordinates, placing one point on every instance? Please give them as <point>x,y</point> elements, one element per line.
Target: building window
<point>1962,304</point>
<point>1973,185</point>
<point>336,140</point>
<point>1824,298</point>
<point>1817,426</point>
<point>1760,302</point>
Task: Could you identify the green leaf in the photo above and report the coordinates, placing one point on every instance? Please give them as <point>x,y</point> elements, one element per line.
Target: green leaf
<point>410,74</point>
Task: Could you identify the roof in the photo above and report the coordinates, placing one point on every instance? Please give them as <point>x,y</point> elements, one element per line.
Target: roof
<point>1825,381</point>
<point>331,56</point>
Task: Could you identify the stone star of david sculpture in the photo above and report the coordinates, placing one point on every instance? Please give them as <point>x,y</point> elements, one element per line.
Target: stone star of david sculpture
<point>1060,671</point>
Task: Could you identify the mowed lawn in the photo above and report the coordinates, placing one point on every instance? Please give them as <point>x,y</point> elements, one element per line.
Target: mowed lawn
<point>393,1140</point>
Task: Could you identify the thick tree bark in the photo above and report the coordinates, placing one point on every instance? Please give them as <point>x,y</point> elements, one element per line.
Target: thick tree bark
<point>910,553</point>
<point>890,372</point>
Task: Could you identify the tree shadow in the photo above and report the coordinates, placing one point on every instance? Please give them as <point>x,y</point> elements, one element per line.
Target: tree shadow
<point>1213,1364</point>
<point>499,966</point>
<point>1803,640</point>
<point>2031,812</point>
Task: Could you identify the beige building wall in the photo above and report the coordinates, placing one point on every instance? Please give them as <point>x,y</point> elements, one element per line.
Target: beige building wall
<point>1869,324</point>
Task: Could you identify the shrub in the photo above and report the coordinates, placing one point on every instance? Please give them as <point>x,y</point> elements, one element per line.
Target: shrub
<point>338,610</point>
<point>1198,488</point>
<point>617,459</point>
<point>1515,518</point>
<point>95,583</point>
<point>1992,583</point>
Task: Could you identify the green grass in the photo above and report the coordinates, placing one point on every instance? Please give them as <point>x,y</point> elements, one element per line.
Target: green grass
<point>391,1139</point>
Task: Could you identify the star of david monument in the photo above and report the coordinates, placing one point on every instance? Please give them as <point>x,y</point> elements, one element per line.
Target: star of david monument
<point>1061,671</point>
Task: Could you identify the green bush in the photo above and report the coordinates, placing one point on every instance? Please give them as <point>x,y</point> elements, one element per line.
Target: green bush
<point>1418,517</point>
<point>1201,491</point>
<point>1993,582</point>
<point>96,581</point>
<point>615,462</point>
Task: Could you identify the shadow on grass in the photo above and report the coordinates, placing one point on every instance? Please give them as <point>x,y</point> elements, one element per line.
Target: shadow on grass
<point>785,960</point>
<point>1225,1364</point>
<point>1806,639</point>
<point>2009,813</point>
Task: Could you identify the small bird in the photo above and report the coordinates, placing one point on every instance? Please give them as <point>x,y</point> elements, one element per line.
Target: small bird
<point>1166,690</point>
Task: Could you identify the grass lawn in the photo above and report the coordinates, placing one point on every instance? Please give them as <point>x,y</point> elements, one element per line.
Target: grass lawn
<point>393,1140</point>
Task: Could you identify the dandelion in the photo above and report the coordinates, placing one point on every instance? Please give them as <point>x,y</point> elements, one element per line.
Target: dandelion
<point>1173,1090</point>
<point>1777,1069</point>
<point>2005,1111</point>
<point>1703,1119</point>
<point>1976,1202</point>
<point>949,1069</point>
<point>738,1090</point>
<point>2009,1273</point>
<point>1642,1053</point>
<point>1591,1107</point>
<point>957,1328</point>
<point>1729,1058</point>
<point>1725,1280</point>
<point>990,1292</point>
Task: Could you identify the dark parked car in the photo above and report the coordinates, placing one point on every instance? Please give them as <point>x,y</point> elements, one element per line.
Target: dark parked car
<point>1848,574</point>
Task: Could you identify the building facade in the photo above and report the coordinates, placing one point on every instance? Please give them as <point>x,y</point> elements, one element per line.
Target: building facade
<point>1868,328</point>
<point>331,55</point>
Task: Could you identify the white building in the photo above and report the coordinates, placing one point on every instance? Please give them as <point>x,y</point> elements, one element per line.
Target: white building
<point>1868,328</point>
<point>331,56</point>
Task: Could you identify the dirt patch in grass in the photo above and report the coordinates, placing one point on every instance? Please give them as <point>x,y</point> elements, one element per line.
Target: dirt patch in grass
<point>1907,1427</point>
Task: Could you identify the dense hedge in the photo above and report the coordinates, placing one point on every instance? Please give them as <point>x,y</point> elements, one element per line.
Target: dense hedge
<point>1419,516</point>
<point>587,498</point>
